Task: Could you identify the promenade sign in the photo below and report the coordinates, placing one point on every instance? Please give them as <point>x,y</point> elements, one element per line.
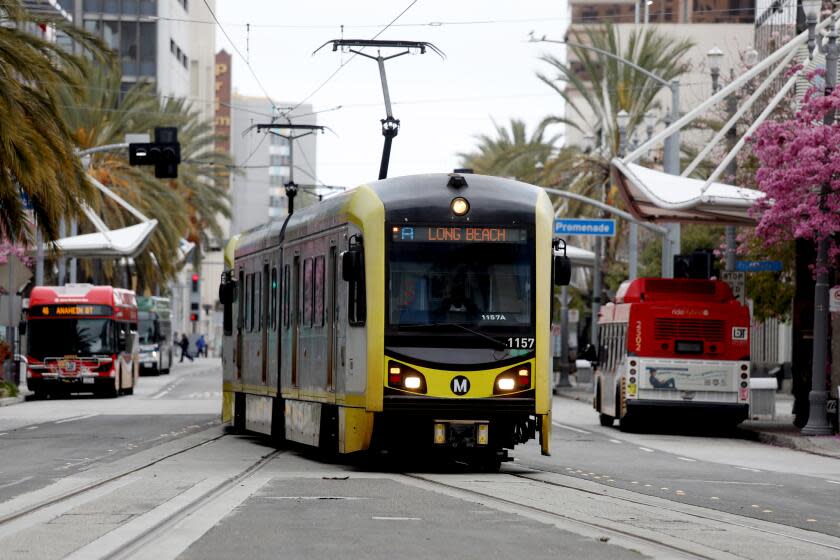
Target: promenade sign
<point>591,227</point>
<point>758,266</point>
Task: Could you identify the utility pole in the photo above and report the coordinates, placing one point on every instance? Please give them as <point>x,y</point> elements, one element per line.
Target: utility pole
<point>818,424</point>
<point>291,187</point>
<point>390,125</point>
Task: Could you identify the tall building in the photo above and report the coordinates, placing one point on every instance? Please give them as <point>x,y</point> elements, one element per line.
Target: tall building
<point>265,164</point>
<point>164,41</point>
<point>727,25</point>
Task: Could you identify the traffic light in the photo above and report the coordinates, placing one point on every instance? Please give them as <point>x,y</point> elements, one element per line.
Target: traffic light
<point>164,153</point>
<point>193,317</point>
<point>695,265</point>
<point>195,283</point>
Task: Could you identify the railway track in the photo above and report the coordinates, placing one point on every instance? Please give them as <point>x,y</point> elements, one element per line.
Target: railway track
<point>657,548</point>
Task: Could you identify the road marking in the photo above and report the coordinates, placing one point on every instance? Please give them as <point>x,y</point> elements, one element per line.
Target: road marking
<point>647,485</point>
<point>565,427</point>
<point>687,459</point>
<point>16,482</point>
<point>811,520</point>
<point>679,493</point>
<point>615,441</point>
<point>77,418</point>
<point>748,469</point>
<point>32,428</point>
<point>4,433</point>
<point>635,482</point>
<point>664,488</point>
<point>767,511</point>
<point>646,449</point>
<point>744,483</point>
<point>380,518</point>
<point>313,498</point>
<point>714,498</point>
<point>831,481</point>
<point>755,506</point>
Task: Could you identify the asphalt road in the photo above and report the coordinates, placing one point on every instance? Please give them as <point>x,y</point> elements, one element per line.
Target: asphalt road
<point>154,476</point>
<point>43,441</point>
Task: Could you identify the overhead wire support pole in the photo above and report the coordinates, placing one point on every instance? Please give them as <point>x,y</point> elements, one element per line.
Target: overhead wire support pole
<point>291,187</point>
<point>390,125</point>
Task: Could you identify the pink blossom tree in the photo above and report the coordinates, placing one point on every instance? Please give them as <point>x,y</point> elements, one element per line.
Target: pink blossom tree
<point>796,158</point>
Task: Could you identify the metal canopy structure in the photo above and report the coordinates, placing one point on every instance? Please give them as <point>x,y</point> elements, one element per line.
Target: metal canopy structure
<point>655,196</point>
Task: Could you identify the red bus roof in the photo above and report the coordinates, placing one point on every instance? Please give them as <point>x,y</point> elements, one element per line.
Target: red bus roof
<point>83,293</point>
<point>673,289</point>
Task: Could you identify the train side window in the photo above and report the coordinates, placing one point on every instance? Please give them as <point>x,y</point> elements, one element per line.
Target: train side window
<point>251,301</point>
<point>307,292</point>
<point>318,320</point>
<point>286,291</point>
<point>273,311</point>
<point>258,302</point>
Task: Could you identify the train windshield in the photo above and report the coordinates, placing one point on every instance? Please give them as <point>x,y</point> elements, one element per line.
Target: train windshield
<point>56,338</point>
<point>463,283</point>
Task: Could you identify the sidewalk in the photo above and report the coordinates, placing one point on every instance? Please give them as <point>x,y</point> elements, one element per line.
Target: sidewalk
<point>778,430</point>
<point>23,393</point>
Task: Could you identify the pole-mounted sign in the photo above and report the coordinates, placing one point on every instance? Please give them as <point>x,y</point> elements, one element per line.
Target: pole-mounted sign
<point>591,227</point>
<point>164,153</point>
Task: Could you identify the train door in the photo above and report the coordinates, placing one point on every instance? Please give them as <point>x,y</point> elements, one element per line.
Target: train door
<point>295,312</point>
<point>240,323</point>
<point>331,310</point>
<point>263,324</point>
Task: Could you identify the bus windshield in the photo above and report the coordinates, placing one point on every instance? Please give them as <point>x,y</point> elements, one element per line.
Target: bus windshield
<point>149,332</point>
<point>55,338</point>
<point>463,283</point>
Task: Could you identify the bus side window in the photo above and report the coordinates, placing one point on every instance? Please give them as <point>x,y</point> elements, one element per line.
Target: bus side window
<point>123,336</point>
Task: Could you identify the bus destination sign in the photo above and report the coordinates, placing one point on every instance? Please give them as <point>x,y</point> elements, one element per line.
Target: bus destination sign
<point>461,234</point>
<point>69,310</point>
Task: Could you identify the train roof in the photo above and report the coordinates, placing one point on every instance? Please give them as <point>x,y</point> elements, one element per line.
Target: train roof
<point>82,293</point>
<point>408,198</point>
<point>674,289</point>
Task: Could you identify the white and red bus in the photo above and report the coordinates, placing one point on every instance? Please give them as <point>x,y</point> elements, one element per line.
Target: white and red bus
<point>82,338</point>
<point>672,345</point>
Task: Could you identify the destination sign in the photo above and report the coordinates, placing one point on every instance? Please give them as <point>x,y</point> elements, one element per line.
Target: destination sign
<point>65,310</point>
<point>462,234</point>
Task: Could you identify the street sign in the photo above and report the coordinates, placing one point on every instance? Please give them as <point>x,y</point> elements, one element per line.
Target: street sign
<point>834,299</point>
<point>738,282</point>
<point>758,266</point>
<point>592,227</point>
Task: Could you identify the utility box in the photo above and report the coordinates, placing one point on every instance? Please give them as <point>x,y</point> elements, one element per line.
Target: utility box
<point>763,396</point>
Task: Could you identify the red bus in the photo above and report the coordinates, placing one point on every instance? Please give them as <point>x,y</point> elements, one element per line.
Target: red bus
<point>672,345</point>
<point>82,338</point>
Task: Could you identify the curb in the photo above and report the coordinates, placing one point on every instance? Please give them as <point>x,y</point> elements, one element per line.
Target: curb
<point>8,401</point>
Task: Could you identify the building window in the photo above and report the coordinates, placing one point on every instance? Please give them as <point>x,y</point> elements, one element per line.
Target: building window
<point>148,48</point>
<point>148,7</point>
<point>280,160</point>
<point>129,52</point>
<point>111,34</point>
<point>92,5</point>
<point>111,6</point>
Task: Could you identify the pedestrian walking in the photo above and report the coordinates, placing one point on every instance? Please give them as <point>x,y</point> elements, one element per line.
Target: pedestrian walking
<point>185,348</point>
<point>201,347</point>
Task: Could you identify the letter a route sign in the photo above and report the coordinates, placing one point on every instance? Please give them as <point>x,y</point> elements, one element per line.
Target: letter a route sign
<point>580,226</point>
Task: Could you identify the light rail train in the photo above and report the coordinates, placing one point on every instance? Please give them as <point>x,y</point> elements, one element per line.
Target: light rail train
<point>410,312</point>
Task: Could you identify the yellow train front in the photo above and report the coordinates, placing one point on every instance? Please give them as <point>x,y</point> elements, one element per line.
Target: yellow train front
<point>410,312</point>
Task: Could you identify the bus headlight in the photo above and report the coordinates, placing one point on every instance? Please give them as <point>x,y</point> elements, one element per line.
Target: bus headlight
<point>412,382</point>
<point>505,383</point>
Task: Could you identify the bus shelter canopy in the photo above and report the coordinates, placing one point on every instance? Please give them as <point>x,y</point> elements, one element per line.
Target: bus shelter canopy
<point>124,242</point>
<point>659,197</point>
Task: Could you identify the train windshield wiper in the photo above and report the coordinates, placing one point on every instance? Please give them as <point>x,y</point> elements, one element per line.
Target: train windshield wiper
<point>497,343</point>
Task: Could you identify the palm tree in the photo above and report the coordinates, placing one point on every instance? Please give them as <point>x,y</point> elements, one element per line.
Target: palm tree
<point>511,153</point>
<point>37,161</point>
<point>608,88</point>
<point>97,114</point>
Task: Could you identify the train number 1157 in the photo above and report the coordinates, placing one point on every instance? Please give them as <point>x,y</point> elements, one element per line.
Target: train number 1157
<point>520,342</point>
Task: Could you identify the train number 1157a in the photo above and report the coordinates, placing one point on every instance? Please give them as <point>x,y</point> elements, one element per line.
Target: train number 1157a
<point>520,342</point>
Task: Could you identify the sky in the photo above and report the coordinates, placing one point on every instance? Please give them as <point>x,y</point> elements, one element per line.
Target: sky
<point>488,74</point>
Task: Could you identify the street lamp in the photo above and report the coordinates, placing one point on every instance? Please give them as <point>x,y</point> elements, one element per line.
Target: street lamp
<point>623,121</point>
<point>715,56</point>
<point>818,396</point>
<point>750,58</point>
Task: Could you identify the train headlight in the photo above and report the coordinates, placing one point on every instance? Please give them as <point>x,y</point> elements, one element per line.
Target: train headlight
<point>515,379</point>
<point>459,206</point>
<point>412,382</point>
<point>405,378</point>
<point>505,383</point>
